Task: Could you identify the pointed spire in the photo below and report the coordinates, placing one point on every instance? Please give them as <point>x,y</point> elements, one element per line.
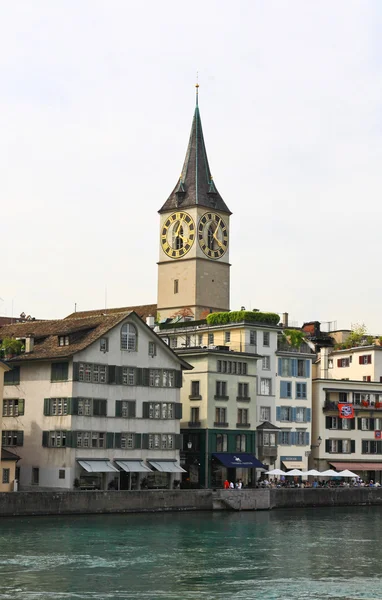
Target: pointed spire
<point>195,185</point>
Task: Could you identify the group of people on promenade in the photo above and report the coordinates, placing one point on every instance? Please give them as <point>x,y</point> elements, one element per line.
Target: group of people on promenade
<point>230,485</point>
<point>331,483</point>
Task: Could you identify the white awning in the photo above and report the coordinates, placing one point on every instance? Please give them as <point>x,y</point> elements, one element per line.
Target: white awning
<point>293,464</point>
<point>167,466</point>
<point>97,466</point>
<point>133,466</point>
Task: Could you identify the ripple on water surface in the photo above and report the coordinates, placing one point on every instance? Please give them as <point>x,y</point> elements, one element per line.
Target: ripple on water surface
<point>328,553</point>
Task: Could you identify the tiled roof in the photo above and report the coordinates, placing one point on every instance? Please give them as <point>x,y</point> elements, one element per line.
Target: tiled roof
<point>143,311</point>
<point>6,455</point>
<point>195,185</point>
<point>83,331</point>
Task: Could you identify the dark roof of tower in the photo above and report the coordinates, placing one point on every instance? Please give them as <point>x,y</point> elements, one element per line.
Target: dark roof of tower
<point>195,185</point>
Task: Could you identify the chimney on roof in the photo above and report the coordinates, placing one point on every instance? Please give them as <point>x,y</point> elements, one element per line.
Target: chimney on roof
<point>29,343</point>
<point>285,319</point>
<point>150,321</point>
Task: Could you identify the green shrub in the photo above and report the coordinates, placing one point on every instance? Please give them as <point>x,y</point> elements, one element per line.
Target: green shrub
<point>223,318</point>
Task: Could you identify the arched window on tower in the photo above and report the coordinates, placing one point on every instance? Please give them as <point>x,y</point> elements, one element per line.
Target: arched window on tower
<point>129,337</point>
<point>177,236</point>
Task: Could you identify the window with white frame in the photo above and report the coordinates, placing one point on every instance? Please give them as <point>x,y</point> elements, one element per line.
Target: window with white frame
<point>242,390</point>
<point>227,336</point>
<point>128,376</point>
<point>200,339</point>
<point>129,337</point>
<point>152,349</point>
<point>241,443</point>
<point>266,338</point>
<point>57,439</point>
<point>104,345</point>
<point>300,438</point>
<point>265,413</point>
<point>285,413</point>
<point>220,415</point>
<point>333,422</point>
<point>333,446</point>
<point>12,407</point>
<point>98,439</point>
<point>266,363</point>
<point>6,476</point>
<point>174,342</point>
<point>58,407</point>
<point>63,340</point>
<point>301,368</point>
<point>365,424</point>
<point>127,441</point>
<point>269,439</point>
<point>221,442</point>
<point>286,367</point>
<point>242,416</point>
<point>265,387</point>
<point>161,410</point>
<point>300,415</point>
<point>284,438</point>
<point>210,339</point>
<point>346,423</point>
<point>168,378</point>
<point>221,389</point>
<point>252,337</point>
<point>85,407</point>
<point>301,390</point>
<point>161,441</point>
<point>154,377</point>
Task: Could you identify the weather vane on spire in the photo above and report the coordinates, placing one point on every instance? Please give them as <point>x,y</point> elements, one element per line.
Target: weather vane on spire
<point>197,87</point>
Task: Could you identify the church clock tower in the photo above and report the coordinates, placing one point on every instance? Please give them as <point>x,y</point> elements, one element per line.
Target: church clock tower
<point>193,267</point>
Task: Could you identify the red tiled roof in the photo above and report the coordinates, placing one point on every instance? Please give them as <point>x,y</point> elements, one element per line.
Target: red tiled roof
<point>143,311</point>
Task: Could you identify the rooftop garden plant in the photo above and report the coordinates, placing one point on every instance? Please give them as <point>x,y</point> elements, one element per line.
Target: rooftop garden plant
<point>238,316</point>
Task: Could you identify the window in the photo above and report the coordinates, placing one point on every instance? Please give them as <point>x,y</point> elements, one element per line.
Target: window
<point>300,415</point>
<point>343,362</point>
<point>242,416</point>
<point>300,438</point>
<point>129,337</point>
<point>59,371</point>
<point>301,371</point>
<point>284,439</point>
<point>200,339</point>
<point>63,340</point>
<point>128,376</point>
<point>252,338</point>
<point>346,423</point>
<point>6,474</point>
<point>365,359</point>
<point>285,413</point>
<point>104,344</point>
<point>241,443</point>
<point>300,390</point>
<point>176,286</point>
<point>13,407</point>
<point>168,378</point>
<point>12,438</point>
<point>195,388</point>
<point>35,476</point>
<point>333,422</point>
<point>224,366</point>
<point>365,424</point>
<point>265,338</point>
<point>161,410</point>
<point>195,414</point>
<point>330,363</point>
<point>286,367</point>
<point>125,409</point>
<point>266,363</point>
<point>366,378</point>
<point>265,387</point>
<point>220,415</point>
<point>285,389</point>
<point>242,390</point>
<point>210,339</point>
<point>152,349</point>
<point>221,442</point>
<point>340,446</point>
<point>12,377</point>
<point>173,342</point>
<point>61,473</point>
<point>57,439</point>
<point>346,446</point>
<point>127,441</point>
<point>154,377</point>
<point>98,439</point>
<point>221,389</point>
<point>371,447</point>
<point>343,397</point>
<point>164,441</point>
<point>265,413</point>
<point>227,336</point>
<point>187,343</point>
<point>58,406</point>
<point>269,439</point>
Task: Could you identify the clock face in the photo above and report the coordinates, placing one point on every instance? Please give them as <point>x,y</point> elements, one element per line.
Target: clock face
<point>212,235</point>
<point>178,234</point>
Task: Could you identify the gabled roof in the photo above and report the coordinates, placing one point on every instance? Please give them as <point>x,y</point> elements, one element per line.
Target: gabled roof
<point>195,185</point>
<point>266,426</point>
<point>143,311</point>
<point>6,455</point>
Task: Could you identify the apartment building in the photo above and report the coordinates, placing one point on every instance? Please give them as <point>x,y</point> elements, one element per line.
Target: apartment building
<point>350,377</point>
<point>8,460</point>
<point>93,401</point>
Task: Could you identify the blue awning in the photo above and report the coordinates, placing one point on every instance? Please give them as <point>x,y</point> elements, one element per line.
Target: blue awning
<point>242,460</point>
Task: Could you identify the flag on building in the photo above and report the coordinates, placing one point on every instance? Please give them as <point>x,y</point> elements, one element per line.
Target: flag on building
<point>345,411</point>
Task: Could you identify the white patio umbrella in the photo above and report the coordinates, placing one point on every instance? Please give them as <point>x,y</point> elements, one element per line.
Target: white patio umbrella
<point>347,473</point>
<point>329,473</point>
<point>313,472</point>
<point>275,472</point>
<point>294,473</point>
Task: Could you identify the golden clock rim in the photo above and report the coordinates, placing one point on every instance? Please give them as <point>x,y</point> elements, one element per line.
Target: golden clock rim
<point>165,242</point>
<point>212,212</point>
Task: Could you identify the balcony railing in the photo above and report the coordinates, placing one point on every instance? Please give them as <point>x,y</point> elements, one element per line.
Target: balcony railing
<point>302,349</point>
<point>330,405</point>
<point>194,424</point>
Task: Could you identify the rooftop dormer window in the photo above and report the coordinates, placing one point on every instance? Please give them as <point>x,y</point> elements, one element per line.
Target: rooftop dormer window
<point>63,340</point>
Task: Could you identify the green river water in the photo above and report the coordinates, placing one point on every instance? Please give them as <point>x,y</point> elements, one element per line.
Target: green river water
<point>294,554</point>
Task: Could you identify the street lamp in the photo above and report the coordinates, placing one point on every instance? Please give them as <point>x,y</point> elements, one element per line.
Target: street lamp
<point>189,445</point>
<point>319,440</point>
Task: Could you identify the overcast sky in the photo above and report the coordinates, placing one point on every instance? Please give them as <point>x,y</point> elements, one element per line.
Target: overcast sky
<point>96,105</point>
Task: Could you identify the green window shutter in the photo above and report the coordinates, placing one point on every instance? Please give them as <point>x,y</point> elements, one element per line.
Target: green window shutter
<point>359,421</point>
<point>138,376</point>
<point>118,375</point>
<point>131,406</point>
<point>110,440</point>
<point>327,446</point>
<point>68,439</point>
<point>137,440</point>
<point>74,406</point>
<point>76,370</point>
<point>46,406</point>
<point>145,376</point>
<point>352,423</point>
<point>145,441</point>
<point>339,446</point>
<point>372,424</point>
<point>352,446</point>
<point>45,438</point>
<point>74,439</point>
<point>103,408</point>
<point>328,422</point>
<point>178,441</point>
<point>118,408</point>
<point>178,410</point>
<point>20,438</point>
<point>145,410</point>
<point>178,379</point>
<point>112,374</point>
<point>21,406</point>
<point>117,440</point>
<point>96,407</point>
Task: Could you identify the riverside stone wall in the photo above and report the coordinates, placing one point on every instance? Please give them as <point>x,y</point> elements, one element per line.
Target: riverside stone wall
<point>90,502</point>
